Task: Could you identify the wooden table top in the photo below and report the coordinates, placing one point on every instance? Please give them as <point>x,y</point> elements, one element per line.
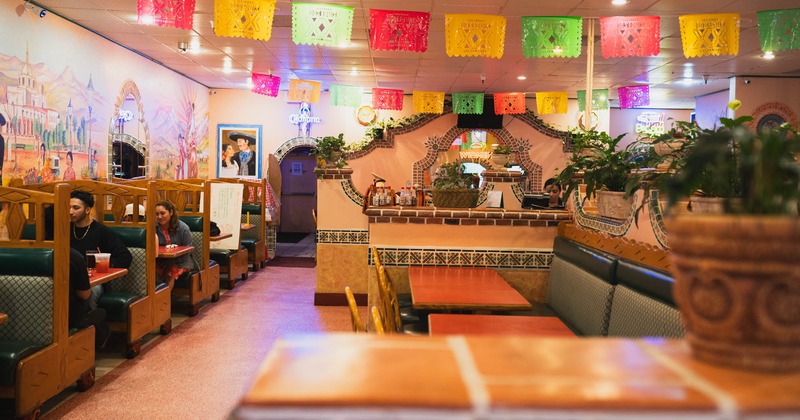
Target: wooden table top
<point>221,236</point>
<point>247,227</point>
<point>113,273</point>
<point>469,324</point>
<point>398,376</point>
<point>164,252</point>
<point>462,288</point>
<point>3,318</point>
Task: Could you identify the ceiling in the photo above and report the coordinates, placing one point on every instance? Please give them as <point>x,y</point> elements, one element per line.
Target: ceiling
<point>433,70</point>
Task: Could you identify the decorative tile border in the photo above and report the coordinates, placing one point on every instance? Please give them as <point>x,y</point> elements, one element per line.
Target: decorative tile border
<point>484,193</point>
<point>529,259</point>
<point>272,240</point>
<point>517,190</point>
<point>609,226</point>
<point>656,214</point>
<point>466,217</point>
<point>347,237</point>
<point>294,143</point>
<point>352,193</point>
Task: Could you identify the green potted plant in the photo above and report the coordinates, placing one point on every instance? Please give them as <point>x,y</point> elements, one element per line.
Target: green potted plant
<point>736,281</point>
<point>604,169</point>
<point>501,156</point>
<point>453,188</point>
<point>331,152</point>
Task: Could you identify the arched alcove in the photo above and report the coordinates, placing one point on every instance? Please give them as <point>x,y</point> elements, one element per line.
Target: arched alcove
<point>297,142</point>
<point>137,139</point>
<point>438,144</point>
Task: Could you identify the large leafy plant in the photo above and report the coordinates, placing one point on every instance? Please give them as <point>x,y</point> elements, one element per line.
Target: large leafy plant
<point>754,172</point>
<point>331,152</point>
<point>451,176</point>
<point>597,163</point>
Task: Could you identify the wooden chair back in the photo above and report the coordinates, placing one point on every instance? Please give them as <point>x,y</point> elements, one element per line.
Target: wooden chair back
<point>355,318</point>
<point>376,319</point>
<point>391,308</point>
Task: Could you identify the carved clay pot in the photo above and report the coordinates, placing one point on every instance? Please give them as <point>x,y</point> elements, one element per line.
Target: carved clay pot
<point>737,286</point>
<point>707,205</point>
<point>499,161</point>
<point>613,205</point>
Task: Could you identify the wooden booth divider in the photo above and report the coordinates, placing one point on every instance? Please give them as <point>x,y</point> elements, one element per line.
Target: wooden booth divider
<point>204,283</point>
<point>40,356</point>
<point>134,303</point>
<point>232,262</point>
<point>254,210</point>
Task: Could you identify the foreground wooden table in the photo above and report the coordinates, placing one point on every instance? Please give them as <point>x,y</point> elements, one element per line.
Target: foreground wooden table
<point>462,288</point>
<point>469,324</point>
<point>100,278</point>
<point>342,375</point>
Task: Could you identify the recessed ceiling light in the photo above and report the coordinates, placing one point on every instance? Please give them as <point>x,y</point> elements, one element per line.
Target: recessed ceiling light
<point>769,55</point>
<point>619,2</point>
<point>354,71</point>
<point>687,81</point>
<point>521,77</point>
<point>147,20</point>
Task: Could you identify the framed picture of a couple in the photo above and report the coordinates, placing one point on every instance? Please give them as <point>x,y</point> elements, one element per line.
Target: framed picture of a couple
<point>239,151</point>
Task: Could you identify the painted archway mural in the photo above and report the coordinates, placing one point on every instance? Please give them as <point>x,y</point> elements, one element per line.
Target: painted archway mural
<point>129,88</point>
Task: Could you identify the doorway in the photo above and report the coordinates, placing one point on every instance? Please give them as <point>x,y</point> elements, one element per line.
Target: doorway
<point>297,231</point>
<point>127,161</point>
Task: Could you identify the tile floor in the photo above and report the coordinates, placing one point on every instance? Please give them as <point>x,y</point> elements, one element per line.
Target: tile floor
<point>305,248</point>
<point>108,360</point>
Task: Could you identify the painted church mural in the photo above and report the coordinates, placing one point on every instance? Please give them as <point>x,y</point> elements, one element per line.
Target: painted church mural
<point>75,106</point>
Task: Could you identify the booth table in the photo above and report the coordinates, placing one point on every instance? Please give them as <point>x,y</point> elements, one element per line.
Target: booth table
<point>164,252</point>
<point>97,279</point>
<point>3,318</point>
<point>220,237</point>
<point>395,376</point>
<point>469,324</point>
<point>462,288</point>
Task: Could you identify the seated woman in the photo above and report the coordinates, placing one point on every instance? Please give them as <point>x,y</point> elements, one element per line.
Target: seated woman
<point>171,231</point>
<point>553,189</point>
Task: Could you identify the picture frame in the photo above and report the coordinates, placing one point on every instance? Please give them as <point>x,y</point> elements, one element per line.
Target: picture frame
<point>231,139</point>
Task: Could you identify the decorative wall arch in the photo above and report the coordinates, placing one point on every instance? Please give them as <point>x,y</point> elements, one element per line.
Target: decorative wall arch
<point>520,146</point>
<point>128,88</point>
<point>294,143</point>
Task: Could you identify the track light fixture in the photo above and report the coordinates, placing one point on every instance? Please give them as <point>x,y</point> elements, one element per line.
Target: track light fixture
<point>36,9</point>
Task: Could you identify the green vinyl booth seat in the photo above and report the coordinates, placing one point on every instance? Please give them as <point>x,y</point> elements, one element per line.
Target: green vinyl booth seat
<point>121,293</point>
<point>26,296</point>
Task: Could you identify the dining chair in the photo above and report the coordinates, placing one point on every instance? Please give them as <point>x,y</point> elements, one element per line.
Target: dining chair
<point>406,321</point>
<point>355,318</point>
<point>376,319</point>
<point>404,301</point>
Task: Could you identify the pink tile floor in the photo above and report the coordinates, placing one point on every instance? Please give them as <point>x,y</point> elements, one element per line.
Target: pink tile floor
<point>202,368</point>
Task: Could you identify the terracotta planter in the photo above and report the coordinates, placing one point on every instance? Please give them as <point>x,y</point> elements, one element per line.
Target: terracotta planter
<point>613,205</point>
<point>499,161</point>
<point>737,286</point>
<point>707,205</point>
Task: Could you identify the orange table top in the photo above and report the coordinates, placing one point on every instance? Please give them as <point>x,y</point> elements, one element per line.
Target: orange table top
<point>462,288</point>
<point>3,318</point>
<point>513,376</point>
<point>244,226</point>
<point>468,324</point>
<point>164,252</point>
<point>100,278</point>
<point>221,236</point>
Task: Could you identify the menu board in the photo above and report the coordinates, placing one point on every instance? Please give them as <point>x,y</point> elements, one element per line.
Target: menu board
<point>226,212</point>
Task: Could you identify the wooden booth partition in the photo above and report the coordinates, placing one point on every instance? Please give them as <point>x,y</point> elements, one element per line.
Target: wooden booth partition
<point>231,262</point>
<point>253,219</point>
<point>34,284</point>
<point>135,305</point>
<point>193,204</point>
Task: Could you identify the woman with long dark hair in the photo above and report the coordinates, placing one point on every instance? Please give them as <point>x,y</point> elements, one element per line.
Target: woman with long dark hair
<point>171,231</point>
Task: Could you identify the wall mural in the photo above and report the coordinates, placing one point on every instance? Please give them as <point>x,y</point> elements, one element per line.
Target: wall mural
<point>75,106</point>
